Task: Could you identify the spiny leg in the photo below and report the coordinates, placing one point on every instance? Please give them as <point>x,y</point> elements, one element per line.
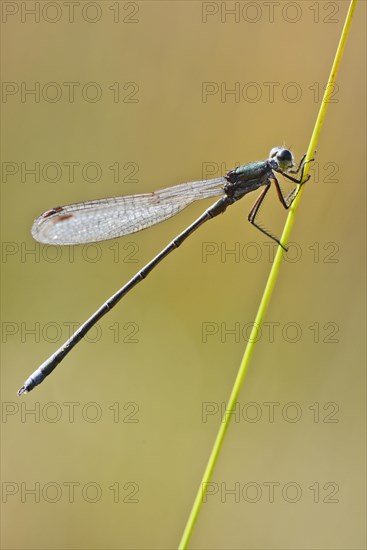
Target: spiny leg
<point>292,195</point>
<point>254,211</point>
<point>288,200</point>
<point>300,167</point>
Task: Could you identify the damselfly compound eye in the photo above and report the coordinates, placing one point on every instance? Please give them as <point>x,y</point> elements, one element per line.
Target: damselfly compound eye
<point>284,155</point>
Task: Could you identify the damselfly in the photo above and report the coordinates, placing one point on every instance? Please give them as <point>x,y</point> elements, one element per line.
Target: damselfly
<point>104,219</point>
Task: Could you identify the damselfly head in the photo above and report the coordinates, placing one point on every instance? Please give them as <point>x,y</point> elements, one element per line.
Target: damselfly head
<point>283,157</point>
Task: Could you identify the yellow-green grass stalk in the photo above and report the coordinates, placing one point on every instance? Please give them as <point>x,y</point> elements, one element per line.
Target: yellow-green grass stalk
<point>265,300</point>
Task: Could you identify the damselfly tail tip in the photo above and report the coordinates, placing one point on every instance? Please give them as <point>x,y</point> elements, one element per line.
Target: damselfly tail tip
<point>22,390</point>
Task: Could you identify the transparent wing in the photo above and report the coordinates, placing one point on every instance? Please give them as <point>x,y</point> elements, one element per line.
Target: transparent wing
<point>103,219</point>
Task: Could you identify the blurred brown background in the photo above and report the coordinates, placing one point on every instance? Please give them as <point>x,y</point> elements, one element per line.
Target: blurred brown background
<point>115,442</point>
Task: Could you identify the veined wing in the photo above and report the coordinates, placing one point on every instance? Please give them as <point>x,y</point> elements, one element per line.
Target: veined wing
<point>104,219</point>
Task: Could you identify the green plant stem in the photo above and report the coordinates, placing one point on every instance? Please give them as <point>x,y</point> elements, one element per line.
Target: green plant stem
<point>266,295</point>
